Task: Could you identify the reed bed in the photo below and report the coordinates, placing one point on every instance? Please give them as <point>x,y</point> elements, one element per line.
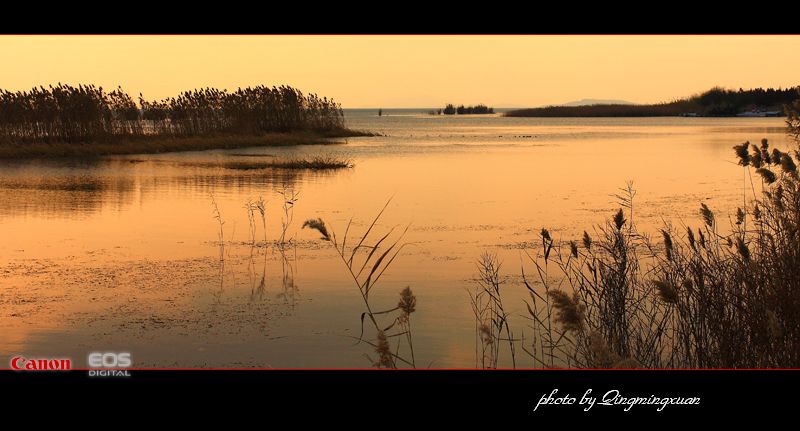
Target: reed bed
<point>162,144</point>
<point>691,297</point>
<point>317,163</point>
<point>312,163</point>
<point>299,163</point>
<point>88,113</point>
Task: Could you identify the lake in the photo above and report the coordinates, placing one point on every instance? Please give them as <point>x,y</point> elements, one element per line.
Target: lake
<point>122,253</point>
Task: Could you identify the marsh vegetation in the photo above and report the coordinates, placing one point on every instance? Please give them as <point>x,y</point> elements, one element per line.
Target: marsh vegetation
<point>703,296</point>
<point>690,297</point>
<point>269,302</point>
<point>313,163</point>
<point>64,120</point>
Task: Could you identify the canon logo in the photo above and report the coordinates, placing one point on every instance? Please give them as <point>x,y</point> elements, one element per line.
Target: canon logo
<point>22,363</point>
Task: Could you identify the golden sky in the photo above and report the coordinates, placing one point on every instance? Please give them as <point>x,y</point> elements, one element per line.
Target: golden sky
<point>410,71</point>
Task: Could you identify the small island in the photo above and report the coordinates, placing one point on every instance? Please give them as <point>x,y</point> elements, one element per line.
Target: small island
<point>451,109</point>
<point>65,120</point>
<point>716,102</point>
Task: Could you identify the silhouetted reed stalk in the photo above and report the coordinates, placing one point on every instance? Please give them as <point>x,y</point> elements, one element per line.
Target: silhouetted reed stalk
<point>491,319</point>
<point>253,208</point>
<point>251,221</point>
<point>290,198</point>
<point>218,294</point>
<point>220,235</point>
<point>366,262</point>
<point>542,314</point>
<point>260,206</point>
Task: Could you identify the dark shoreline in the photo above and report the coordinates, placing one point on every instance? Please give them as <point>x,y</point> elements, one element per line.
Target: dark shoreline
<point>512,114</point>
<point>716,102</point>
<point>162,144</point>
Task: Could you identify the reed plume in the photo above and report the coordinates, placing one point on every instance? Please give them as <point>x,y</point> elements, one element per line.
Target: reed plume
<point>569,310</point>
<point>318,225</point>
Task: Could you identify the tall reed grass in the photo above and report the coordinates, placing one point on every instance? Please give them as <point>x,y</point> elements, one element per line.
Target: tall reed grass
<point>220,222</point>
<point>366,259</point>
<point>289,198</point>
<point>491,319</point>
<point>88,113</point>
<point>693,297</point>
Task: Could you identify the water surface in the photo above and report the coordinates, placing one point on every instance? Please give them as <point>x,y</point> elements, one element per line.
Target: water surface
<point>121,253</point>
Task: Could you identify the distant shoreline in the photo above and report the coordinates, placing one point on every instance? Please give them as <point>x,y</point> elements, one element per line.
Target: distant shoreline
<point>716,102</point>
<point>513,114</point>
<point>162,144</point>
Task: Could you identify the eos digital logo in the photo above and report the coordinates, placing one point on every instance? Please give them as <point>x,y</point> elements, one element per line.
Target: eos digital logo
<point>109,364</point>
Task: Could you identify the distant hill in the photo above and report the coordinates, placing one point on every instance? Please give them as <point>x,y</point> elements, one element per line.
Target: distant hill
<point>589,102</point>
<point>716,102</point>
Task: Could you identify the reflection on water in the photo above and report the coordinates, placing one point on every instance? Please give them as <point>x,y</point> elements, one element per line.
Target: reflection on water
<point>123,251</point>
<point>67,190</point>
<point>286,290</point>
